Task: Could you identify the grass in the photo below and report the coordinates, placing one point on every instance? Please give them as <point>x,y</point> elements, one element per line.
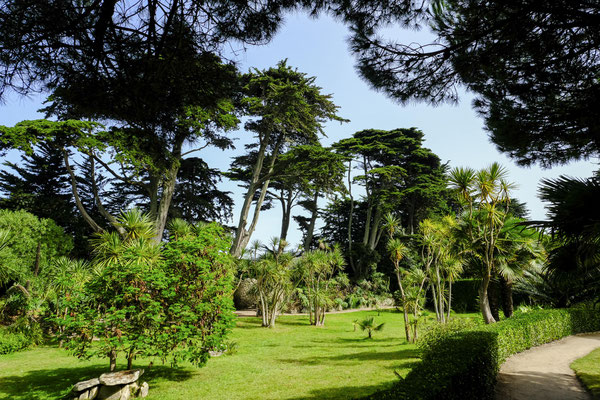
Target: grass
<point>292,361</point>
<point>588,371</point>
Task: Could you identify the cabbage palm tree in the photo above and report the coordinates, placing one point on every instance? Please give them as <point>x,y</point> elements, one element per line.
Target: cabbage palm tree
<point>486,197</point>
<point>398,251</point>
<point>318,268</point>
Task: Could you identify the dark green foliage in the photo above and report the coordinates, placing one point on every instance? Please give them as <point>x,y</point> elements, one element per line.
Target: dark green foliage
<point>465,295</point>
<point>463,364</point>
<point>287,109</point>
<point>531,64</point>
<point>19,260</point>
<point>196,195</point>
<point>199,294</point>
<point>574,251</point>
<point>143,46</point>
<point>40,184</point>
<point>175,309</point>
<point>398,174</point>
<point>11,342</point>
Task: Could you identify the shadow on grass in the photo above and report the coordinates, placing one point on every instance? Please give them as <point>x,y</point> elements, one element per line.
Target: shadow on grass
<point>355,358</point>
<point>46,384</point>
<point>363,341</point>
<point>345,392</point>
<point>255,323</point>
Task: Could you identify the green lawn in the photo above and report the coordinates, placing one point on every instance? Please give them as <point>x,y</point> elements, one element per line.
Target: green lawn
<point>292,361</point>
<point>588,370</point>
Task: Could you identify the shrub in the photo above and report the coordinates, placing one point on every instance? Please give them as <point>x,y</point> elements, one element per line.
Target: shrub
<point>177,308</point>
<point>13,342</point>
<point>463,364</point>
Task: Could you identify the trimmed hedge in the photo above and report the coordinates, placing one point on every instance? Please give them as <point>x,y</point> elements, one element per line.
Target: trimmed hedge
<point>12,342</point>
<point>464,364</point>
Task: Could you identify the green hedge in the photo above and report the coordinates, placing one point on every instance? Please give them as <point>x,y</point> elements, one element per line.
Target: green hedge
<point>12,342</point>
<point>464,364</point>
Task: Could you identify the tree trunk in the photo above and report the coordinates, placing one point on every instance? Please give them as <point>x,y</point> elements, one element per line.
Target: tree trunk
<point>286,214</point>
<point>507,298</point>
<point>404,309</point>
<point>375,233</point>
<point>242,235</point>
<point>434,296</point>
<point>130,360</point>
<point>484,303</point>
<point>168,189</point>
<point>112,355</point>
<point>351,213</point>
<point>449,299</point>
<point>494,299</point>
<point>440,295</point>
<point>313,220</point>
<point>38,254</point>
<point>368,224</point>
<point>95,227</point>
<point>108,216</point>
<point>411,217</point>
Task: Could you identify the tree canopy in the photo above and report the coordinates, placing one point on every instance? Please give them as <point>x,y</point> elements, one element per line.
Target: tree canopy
<point>533,66</point>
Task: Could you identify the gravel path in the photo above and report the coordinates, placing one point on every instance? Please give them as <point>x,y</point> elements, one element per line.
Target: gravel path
<point>543,372</point>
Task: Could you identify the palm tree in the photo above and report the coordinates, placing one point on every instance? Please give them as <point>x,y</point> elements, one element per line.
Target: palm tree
<point>318,268</point>
<point>398,250</point>
<point>368,324</point>
<point>134,246</point>
<point>484,193</point>
<point>137,241</point>
<point>574,220</point>
<point>519,250</point>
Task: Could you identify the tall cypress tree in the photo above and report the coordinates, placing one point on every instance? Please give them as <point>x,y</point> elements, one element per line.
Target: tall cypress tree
<point>39,184</point>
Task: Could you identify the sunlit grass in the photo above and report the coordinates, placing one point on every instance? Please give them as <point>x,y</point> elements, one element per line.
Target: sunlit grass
<point>292,361</point>
<point>588,370</point>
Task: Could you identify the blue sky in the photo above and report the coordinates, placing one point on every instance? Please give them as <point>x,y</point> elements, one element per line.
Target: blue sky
<point>319,48</point>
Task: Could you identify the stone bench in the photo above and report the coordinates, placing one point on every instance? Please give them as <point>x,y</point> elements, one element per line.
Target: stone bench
<point>121,385</point>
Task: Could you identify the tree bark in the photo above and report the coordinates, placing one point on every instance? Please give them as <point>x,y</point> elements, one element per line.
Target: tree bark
<point>375,230</point>
<point>109,217</point>
<point>112,355</point>
<point>95,227</point>
<point>286,214</point>
<point>242,235</point>
<point>130,360</point>
<point>494,299</point>
<point>351,213</point>
<point>404,309</point>
<point>168,190</point>
<point>313,220</point>
<point>484,303</point>
<point>449,299</point>
<point>38,254</point>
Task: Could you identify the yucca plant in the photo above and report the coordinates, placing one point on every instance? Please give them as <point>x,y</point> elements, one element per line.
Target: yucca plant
<point>368,324</point>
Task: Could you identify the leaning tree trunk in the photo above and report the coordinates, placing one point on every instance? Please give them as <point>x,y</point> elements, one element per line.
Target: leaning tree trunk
<point>242,235</point>
<point>484,303</point>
